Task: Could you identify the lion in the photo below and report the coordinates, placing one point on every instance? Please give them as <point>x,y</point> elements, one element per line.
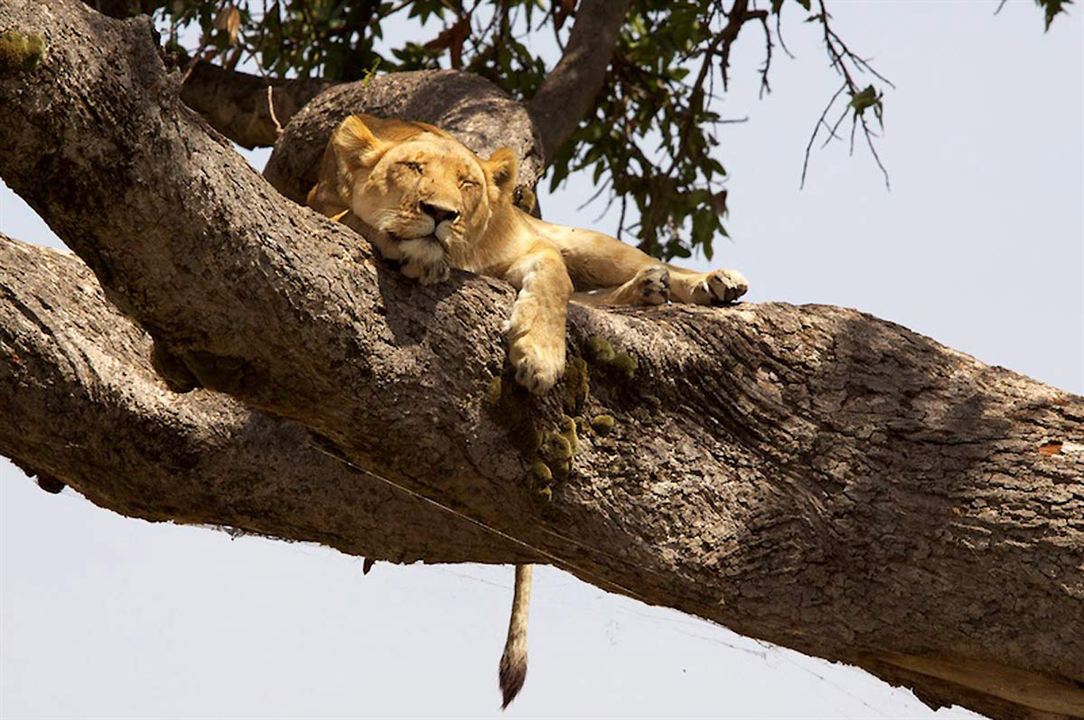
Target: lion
<point>431,204</point>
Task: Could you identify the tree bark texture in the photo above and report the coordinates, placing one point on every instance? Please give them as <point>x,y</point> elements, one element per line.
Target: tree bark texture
<point>810,476</point>
<point>83,402</point>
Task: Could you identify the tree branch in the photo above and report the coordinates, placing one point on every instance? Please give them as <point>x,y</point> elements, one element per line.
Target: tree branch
<point>236,104</point>
<point>809,476</point>
<point>571,87</point>
<point>84,404</point>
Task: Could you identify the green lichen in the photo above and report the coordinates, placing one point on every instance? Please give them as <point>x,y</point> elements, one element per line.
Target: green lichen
<point>600,350</point>
<point>556,452</point>
<point>494,391</point>
<point>576,386</point>
<point>602,424</point>
<point>21,51</point>
<point>625,364</point>
<point>568,430</point>
<point>555,449</point>
<point>540,474</point>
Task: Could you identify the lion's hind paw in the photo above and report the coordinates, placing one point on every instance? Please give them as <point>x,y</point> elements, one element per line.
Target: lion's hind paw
<point>711,288</point>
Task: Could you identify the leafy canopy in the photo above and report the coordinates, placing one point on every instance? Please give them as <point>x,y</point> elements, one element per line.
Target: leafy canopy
<point>650,139</point>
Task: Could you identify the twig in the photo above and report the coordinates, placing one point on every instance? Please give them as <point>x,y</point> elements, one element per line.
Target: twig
<point>873,150</point>
<point>764,86</point>
<point>271,109</point>
<point>839,55</point>
<point>816,129</point>
<point>779,34</point>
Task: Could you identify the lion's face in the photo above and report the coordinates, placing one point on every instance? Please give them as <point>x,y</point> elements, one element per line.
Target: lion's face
<point>430,190</point>
<point>426,194</point>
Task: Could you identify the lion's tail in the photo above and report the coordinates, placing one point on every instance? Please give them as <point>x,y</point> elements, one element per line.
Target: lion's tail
<point>513,669</point>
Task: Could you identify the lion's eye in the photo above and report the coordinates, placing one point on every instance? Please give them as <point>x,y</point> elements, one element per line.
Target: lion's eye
<point>467,183</point>
<point>415,166</point>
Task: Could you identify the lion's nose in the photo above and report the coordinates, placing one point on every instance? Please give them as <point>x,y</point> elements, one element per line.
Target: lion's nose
<point>438,213</point>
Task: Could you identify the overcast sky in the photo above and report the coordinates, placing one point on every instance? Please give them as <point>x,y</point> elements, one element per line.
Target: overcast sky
<point>980,245</point>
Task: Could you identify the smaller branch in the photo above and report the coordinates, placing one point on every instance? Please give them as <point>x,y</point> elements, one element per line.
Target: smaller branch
<point>738,16</point>
<point>238,104</point>
<point>779,34</point>
<point>873,150</point>
<point>736,19</point>
<point>832,130</point>
<point>764,86</point>
<point>271,111</point>
<point>840,56</point>
<point>569,91</point>
<point>816,129</point>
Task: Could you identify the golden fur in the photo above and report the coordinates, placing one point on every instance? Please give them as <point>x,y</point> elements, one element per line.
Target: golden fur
<point>433,204</point>
<point>430,203</point>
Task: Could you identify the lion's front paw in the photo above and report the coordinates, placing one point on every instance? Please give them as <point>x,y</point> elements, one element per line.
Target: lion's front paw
<point>539,362</point>
<point>717,286</point>
<point>427,273</point>
<point>424,260</point>
<point>652,286</point>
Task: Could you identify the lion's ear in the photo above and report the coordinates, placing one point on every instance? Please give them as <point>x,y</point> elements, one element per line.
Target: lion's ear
<point>503,166</point>
<point>355,144</point>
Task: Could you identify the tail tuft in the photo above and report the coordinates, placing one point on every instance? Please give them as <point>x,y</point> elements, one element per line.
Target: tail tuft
<point>513,669</point>
<point>513,673</point>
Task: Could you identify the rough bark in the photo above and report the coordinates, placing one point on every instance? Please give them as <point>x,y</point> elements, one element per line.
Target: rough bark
<point>811,476</point>
<point>83,402</point>
<point>570,89</point>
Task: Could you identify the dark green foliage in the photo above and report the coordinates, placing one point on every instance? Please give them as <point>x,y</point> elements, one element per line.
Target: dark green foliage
<point>651,139</point>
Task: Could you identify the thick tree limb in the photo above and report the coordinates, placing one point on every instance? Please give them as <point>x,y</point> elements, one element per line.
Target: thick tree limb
<point>571,87</point>
<point>810,476</point>
<point>82,402</point>
<point>237,104</point>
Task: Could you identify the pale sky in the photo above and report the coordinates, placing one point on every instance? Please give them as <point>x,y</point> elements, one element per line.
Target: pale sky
<point>980,245</point>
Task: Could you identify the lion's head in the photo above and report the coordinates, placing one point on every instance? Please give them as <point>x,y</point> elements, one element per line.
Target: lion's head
<point>427,196</point>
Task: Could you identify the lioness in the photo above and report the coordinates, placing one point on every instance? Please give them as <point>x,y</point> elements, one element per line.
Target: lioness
<point>428,201</point>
